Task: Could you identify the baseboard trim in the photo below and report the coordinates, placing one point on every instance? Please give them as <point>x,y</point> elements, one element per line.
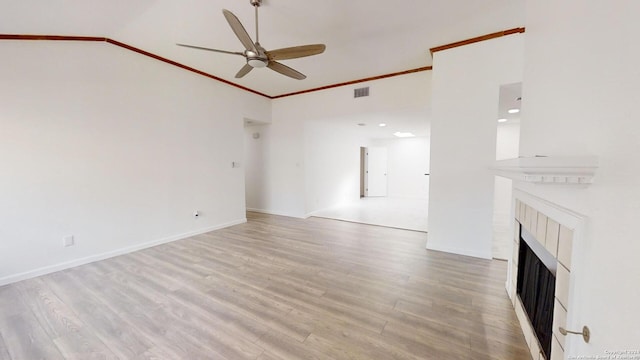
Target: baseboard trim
<point>278,213</point>
<point>109,254</point>
<point>368,223</point>
<point>458,251</point>
<point>315,212</point>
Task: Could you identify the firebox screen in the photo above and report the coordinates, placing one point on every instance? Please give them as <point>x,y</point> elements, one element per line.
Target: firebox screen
<point>536,288</point>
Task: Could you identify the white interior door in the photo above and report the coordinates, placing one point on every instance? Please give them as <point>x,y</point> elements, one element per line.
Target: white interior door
<point>376,171</point>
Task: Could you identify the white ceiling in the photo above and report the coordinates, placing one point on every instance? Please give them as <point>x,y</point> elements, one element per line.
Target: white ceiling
<point>364,38</point>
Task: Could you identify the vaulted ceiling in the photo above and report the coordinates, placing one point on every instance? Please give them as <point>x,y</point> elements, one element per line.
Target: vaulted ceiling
<point>364,38</point>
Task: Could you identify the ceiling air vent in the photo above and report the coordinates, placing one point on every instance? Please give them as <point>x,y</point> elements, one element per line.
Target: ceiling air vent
<point>361,92</point>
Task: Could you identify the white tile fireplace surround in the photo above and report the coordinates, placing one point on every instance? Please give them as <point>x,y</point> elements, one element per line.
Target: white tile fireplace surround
<point>557,230</point>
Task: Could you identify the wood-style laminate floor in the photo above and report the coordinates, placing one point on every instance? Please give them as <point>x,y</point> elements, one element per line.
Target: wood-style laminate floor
<point>274,288</point>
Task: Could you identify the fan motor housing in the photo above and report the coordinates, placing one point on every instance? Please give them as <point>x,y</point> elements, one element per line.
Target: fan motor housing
<point>259,59</point>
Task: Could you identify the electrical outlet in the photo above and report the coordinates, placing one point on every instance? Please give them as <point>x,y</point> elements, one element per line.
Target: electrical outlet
<point>68,241</point>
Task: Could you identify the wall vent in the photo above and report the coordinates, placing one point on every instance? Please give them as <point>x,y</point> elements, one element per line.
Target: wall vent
<point>361,92</point>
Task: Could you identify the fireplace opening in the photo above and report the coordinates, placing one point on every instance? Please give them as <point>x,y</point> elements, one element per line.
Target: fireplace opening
<point>536,285</point>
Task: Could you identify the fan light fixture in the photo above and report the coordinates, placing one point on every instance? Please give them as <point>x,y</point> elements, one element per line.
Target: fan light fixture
<point>257,63</point>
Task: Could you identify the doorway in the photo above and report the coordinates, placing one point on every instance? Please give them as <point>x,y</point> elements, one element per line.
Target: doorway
<point>507,147</point>
<point>373,171</point>
<point>401,199</point>
<point>256,164</point>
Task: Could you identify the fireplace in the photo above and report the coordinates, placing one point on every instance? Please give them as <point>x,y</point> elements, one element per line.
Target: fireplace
<point>540,272</point>
<point>536,284</point>
<point>541,224</point>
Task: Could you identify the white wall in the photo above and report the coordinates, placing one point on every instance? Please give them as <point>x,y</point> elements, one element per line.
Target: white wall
<point>315,140</point>
<point>284,176</point>
<point>332,164</point>
<point>331,161</point>
<point>507,147</point>
<point>466,84</point>
<point>408,161</point>
<point>508,140</point>
<point>114,148</point>
<point>257,154</point>
<point>403,93</point>
<point>580,96</point>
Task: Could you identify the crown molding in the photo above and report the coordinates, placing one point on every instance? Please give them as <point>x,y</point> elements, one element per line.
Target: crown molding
<point>426,68</point>
<point>182,66</point>
<point>476,39</point>
<point>50,37</point>
<point>29,37</point>
<point>128,47</point>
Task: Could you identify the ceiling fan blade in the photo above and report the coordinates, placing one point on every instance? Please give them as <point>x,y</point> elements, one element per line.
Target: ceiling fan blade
<point>209,49</point>
<point>296,52</point>
<point>240,31</point>
<point>285,70</point>
<point>244,71</point>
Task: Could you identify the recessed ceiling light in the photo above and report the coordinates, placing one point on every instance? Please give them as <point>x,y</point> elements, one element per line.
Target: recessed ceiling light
<point>502,120</point>
<point>403,134</point>
<point>513,111</point>
<point>382,124</point>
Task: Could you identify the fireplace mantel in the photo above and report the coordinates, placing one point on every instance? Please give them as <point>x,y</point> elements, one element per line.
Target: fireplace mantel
<point>578,170</point>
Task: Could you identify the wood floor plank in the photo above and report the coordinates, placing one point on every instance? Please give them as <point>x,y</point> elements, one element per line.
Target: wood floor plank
<point>275,288</point>
<point>159,329</point>
<point>83,346</point>
<point>434,334</point>
<point>4,353</point>
<point>273,318</point>
<point>105,323</point>
<point>288,348</point>
<point>268,356</point>
<point>332,335</point>
<point>25,339</point>
<point>498,350</point>
<point>426,347</point>
<point>341,349</point>
<point>201,338</point>
<point>239,324</point>
<point>22,335</point>
<point>10,301</point>
<point>329,308</point>
<point>70,334</point>
<point>187,324</point>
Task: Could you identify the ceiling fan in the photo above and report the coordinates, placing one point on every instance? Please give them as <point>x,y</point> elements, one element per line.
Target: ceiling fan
<point>256,55</point>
